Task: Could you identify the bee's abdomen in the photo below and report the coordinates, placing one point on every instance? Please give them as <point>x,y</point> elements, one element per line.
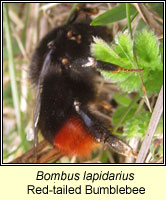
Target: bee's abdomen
<point>74,138</point>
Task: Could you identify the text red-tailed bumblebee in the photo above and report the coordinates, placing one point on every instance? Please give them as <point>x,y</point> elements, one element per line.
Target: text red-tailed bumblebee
<point>63,70</point>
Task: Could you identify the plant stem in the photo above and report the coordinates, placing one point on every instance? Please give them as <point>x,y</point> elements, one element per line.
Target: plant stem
<point>129,20</point>
<point>135,63</point>
<point>158,109</point>
<point>132,18</point>
<point>14,88</point>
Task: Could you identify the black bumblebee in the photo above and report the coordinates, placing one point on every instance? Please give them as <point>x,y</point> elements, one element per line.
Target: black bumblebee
<point>64,72</point>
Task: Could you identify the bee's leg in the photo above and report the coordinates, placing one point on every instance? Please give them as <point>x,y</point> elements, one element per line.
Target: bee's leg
<point>101,133</point>
<point>114,68</point>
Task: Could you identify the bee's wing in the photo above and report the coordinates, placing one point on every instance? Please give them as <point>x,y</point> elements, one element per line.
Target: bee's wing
<point>37,104</point>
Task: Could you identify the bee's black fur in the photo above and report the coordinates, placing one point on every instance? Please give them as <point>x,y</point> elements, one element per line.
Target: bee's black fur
<point>64,47</point>
<point>64,84</point>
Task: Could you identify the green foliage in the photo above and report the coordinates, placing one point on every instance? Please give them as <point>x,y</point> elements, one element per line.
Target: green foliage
<point>15,121</point>
<point>146,53</point>
<point>120,111</point>
<point>122,99</point>
<point>137,125</point>
<point>134,124</point>
<point>113,15</point>
<point>147,50</point>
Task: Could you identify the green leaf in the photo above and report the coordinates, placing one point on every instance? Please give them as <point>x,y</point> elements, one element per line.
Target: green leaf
<point>122,99</point>
<point>120,112</point>
<point>147,50</point>
<point>137,125</point>
<point>102,51</point>
<point>123,47</point>
<point>131,83</point>
<point>154,82</point>
<point>118,54</point>
<point>148,58</point>
<point>113,15</point>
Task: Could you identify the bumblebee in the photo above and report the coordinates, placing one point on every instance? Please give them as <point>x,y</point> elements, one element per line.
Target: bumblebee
<point>64,72</point>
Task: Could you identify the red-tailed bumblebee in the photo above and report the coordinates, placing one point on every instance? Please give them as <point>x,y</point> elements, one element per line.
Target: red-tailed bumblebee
<point>64,72</point>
